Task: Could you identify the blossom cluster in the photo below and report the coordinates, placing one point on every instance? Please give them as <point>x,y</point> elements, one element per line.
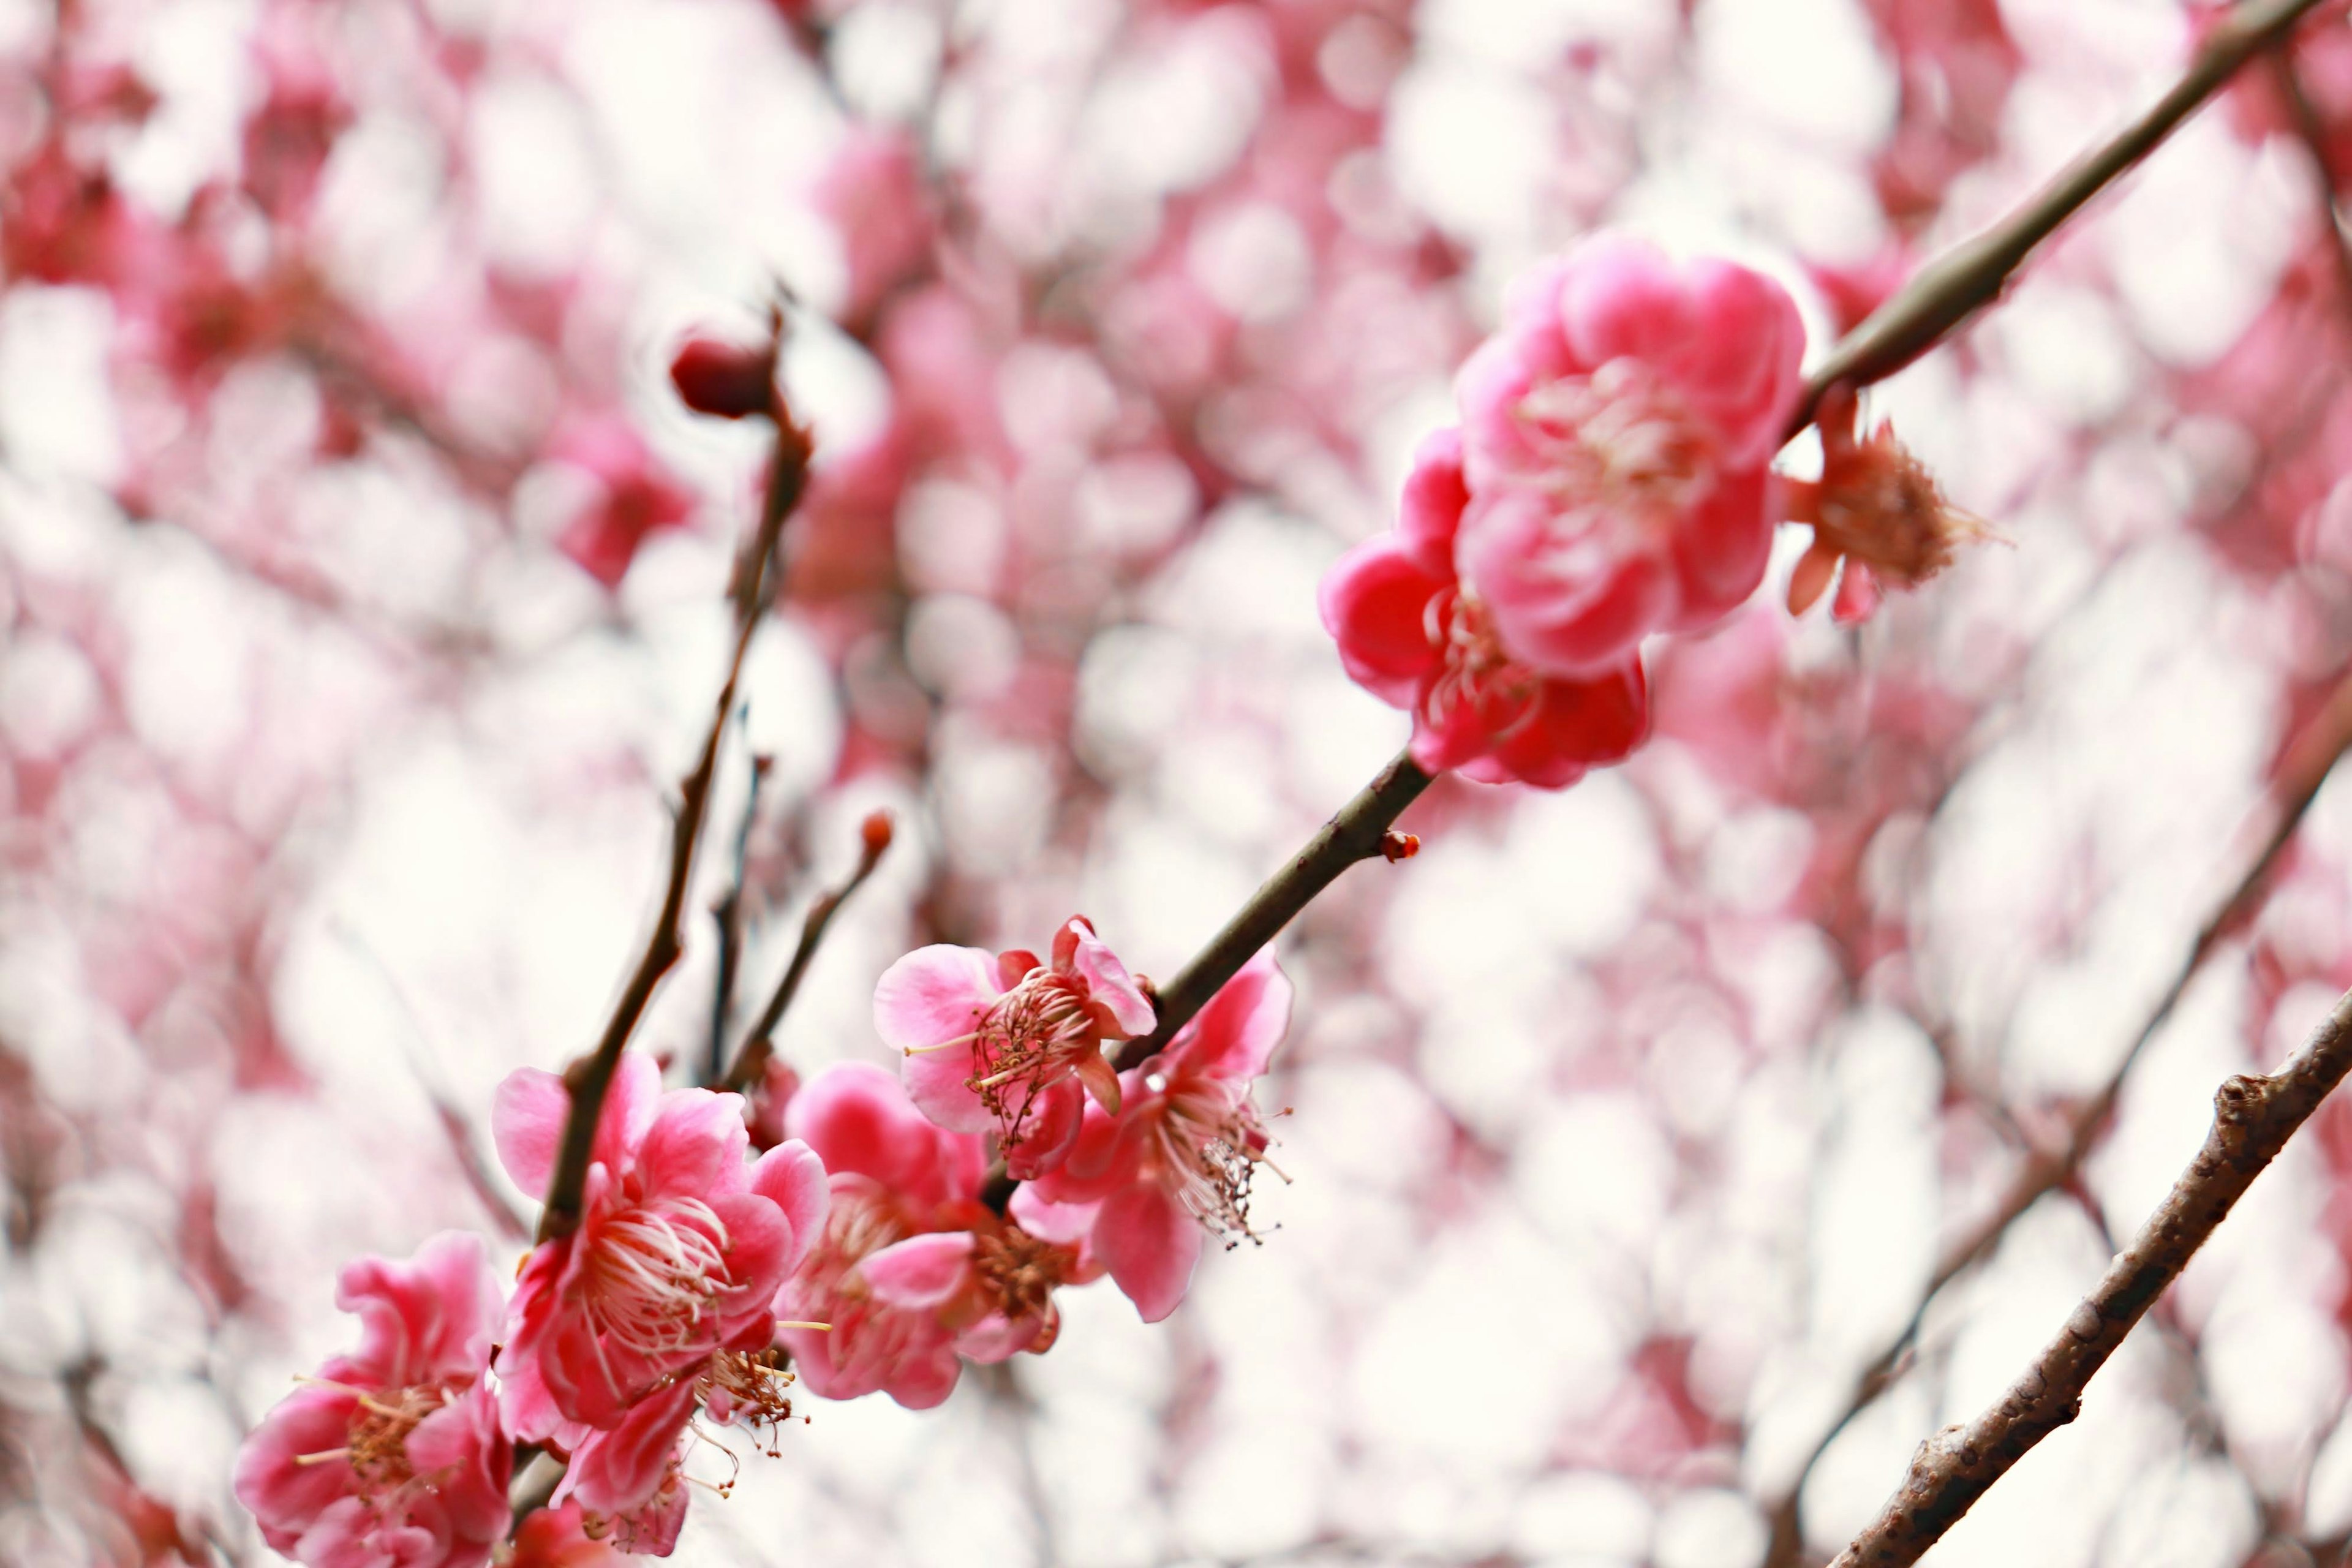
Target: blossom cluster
<point>860,1253</point>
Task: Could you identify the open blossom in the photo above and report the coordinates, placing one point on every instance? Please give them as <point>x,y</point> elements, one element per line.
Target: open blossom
<point>893,1175</point>
<point>1180,1155</point>
<point>680,1246</point>
<point>392,1457</point>
<point>1005,1042</point>
<point>1415,636</point>
<point>1616,436</point>
<point>992,1286</point>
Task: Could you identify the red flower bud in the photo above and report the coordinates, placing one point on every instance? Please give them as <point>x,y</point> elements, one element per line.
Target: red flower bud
<point>726,380</point>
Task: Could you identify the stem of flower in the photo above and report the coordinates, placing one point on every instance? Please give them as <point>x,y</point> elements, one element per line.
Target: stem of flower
<point>751,1057</point>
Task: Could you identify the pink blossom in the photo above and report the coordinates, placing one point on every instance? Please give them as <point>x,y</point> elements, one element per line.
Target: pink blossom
<point>1006,1042</point>
<point>893,1175</point>
<point>992,1286</point>
<point>390,1457</point>
<point>1416,636</point>
<point>680,1246</point>
<point>875,194</point>
<point>1615,434</point>
<point>557,1537</point>
<point>634,499</point>
<point>1180,1156</point>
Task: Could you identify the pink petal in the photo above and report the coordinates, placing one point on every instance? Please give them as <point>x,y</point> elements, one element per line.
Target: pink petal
<point>1571,606</point>
<point>284,1496</point>
<point>631,1102</point>
<point>1235,1034</point>
<point>623,1466</point>
<point>1150,1244</point>
<point>1577,726</point>
<point>923,1381</point>
<point>1622,298</point>
<point>1721,549</point>
<point>696,1144</point>
<point>791,1176</point>
<point>527,1117</point>
<point>921,1273</point>
<point>1048,1132</point>
<point>1431,512</point>
<point>1109,982</point>
<point>1375,603</point>
<point>931,994</point>
<point>1068,1223</point>
<point>425,1319</point>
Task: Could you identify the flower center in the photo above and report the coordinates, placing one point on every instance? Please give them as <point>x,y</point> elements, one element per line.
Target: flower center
<point>375,1442</point>
<point>651,1276</point>
<point>1617,444</point>
<point>746,1388</point>
<point>1211,1144</point>
<point>1021,1271</point>
<point>1031,1038</point>
<point>1477,672</point>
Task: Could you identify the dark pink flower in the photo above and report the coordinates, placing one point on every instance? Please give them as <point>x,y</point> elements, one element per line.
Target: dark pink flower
<point>1616,433</point>
<point>894,1174</point>
<point>392,1457</point>
<point>1180,1155</point>
<point>1004,1043</point>
<point>681,1248</point>
<point>1416,638</point>
<point>992,1286</point>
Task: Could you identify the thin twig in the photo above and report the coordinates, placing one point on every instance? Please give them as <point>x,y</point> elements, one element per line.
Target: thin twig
<point>1972,274</point>
<point>591,1076</point>
<point>751,1057</point>
<point>2254,1116</point>
<point>728,915</point>
<point>1357,833</point>
<point>2302,770</point>
<point>529,1492</point>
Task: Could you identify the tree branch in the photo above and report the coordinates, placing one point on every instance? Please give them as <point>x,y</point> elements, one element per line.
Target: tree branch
<point>751,1058</point>
<point>1357,833</point>
<point>588,1077</point>
<point>2302,771</point>
<point>1956,285</point>
<point>2254,1116</point>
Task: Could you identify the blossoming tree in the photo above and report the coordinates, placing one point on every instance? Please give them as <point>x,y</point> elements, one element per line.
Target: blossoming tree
<point>579,580</point>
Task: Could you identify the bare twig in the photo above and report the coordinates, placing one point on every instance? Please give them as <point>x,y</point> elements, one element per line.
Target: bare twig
<point>533,1486</point>
<point>751,1057</point>
<point>1360,832</point>
<point>588,1077</point>
<point>728,915</point>
<point>2253,1117</point>
<point>1972,274</point>
<point>2302,771</point>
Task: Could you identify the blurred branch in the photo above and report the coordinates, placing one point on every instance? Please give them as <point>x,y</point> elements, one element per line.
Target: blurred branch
<point>2254,1116</point>
<point>1358,833</point>
<point>751,1057</point>
<point>1971,275</point>
<point>532,1488</point>
<point>2302,771</point>
<point>591,1076</point>
<point>727,914</point>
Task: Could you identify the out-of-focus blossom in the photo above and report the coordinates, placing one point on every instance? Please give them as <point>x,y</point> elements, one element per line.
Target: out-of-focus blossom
<point>1180,1155</point>
<point>1415,636</point>
<point>632,499</point>
<point>1005,1042</point>
<point>392,1457</point>
<point>874,192</point>
<point>680,1246</point>
<point>1615,434</point>
<point>1878,509</point>
<point>893,1175</point>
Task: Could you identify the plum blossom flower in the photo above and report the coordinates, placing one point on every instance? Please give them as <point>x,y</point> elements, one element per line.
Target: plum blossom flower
<point>1004,1043</point>
<point>1180,1155</point>
<point>1615,434</point>
<point>392,1457</point>
<point>558,1538</point>
<point>1416,636</point>
<point>1876,508</point>
<point>992,1286</point>
<point>681,1248</point>
<point>893,1175</point>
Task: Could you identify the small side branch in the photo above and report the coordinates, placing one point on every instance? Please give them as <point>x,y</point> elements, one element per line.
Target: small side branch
<point>591,1076</point>
<point>751,1058</point>
<point>1360,832</point>
<point>2254,1117</point>
<point>1971,275</point>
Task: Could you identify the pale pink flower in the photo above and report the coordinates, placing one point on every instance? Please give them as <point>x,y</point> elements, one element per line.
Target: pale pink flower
<point>1616,433</point>
<point>1180,1157</point>
<point>1418,638</point>
<point>893,1175</point>
<point>680,1246</point>
<point>392,1457</point>
<point>1004,1043</point>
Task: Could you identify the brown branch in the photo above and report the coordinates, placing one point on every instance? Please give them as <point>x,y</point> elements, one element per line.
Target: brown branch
<point>533,1484</point>
<point>728,915</point>
<point>2302,771</point>
<point>751,1057</point>
<point>1971,275</point>
<point>2254,1116</point>
<point>588,1077</point>
<point>1360,832</point>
